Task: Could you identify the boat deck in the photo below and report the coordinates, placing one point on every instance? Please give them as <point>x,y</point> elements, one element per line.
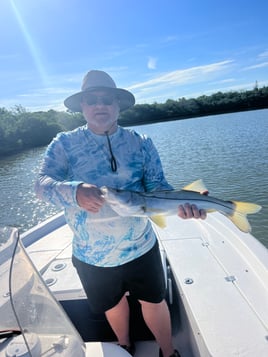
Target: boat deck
<point>222,275</point>
<point>220,295</point>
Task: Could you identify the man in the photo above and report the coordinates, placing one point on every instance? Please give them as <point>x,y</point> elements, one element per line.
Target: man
<point>112,254</point>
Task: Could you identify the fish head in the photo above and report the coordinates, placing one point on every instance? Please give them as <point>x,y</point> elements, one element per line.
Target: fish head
<point>124,203</point>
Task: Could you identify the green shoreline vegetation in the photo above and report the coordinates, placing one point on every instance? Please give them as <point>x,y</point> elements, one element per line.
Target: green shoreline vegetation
<point>21,129</point>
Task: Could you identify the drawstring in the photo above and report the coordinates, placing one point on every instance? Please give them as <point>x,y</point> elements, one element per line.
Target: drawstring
<point>113,161</point>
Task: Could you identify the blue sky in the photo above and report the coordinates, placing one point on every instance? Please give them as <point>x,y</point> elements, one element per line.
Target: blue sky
<point>159,50</point>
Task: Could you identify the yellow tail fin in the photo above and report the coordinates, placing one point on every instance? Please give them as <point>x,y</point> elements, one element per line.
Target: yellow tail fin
<point>246,207</point>
<point>239,217</point>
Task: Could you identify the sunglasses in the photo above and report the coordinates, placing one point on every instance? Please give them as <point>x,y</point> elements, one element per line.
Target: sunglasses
<point>93,99</point>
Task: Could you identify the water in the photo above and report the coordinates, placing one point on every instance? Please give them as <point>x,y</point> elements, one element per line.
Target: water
<point>229,152</point>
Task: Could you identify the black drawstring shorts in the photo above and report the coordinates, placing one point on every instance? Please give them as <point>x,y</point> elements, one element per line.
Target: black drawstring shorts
<point>143,278</point>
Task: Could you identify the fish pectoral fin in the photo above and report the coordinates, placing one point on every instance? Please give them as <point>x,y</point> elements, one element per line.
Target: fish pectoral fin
<point>210,210</point>
<point>159,220</point>
<point>197,186</point>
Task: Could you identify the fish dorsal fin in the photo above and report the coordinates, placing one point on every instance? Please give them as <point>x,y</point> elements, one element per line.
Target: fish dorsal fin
<point>159,220</point>
<point>196,186</point>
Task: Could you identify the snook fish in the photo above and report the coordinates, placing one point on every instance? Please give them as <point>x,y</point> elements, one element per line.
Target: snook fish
<point>158,204</point>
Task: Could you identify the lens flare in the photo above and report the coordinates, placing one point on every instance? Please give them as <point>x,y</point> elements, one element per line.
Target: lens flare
<point>30,43</point>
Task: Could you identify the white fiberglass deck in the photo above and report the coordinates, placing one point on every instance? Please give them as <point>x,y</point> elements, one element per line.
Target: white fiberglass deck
<point>221,275</point>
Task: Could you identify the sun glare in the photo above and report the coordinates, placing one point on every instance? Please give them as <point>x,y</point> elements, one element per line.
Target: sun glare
<point>30,43</point>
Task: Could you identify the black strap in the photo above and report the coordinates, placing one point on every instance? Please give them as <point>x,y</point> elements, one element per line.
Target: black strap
<point>113,161</point>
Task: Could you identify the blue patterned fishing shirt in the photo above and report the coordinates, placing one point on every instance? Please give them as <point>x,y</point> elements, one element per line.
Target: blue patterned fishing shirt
<point>103,239</point>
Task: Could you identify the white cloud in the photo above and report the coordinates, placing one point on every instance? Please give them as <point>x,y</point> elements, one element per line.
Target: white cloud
<point>227,80</point>
<point>170,39</point>
<point>183,76</point>
<point>178,83</point>
<point>151,64</point>
<point>255,66</point>
<point>263,54</point>
<point>189,93</point>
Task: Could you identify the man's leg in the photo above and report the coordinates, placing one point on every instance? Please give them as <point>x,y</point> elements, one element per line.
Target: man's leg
<point>118,318</point>
<point>157,319</point>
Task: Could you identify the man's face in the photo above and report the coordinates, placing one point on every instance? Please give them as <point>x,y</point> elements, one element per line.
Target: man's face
<point>101,111</point>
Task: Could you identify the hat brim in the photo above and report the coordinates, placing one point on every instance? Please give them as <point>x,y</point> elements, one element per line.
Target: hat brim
<point>126,99</point>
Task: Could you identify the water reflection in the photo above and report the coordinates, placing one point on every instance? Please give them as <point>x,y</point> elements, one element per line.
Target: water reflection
<point>18,204</point>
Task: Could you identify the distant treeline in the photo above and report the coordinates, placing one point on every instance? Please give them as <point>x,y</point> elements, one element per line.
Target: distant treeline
<point>20,129</point>
<point>182,108</point>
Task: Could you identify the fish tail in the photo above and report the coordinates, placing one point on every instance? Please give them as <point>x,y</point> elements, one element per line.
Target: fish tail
<point>239,216</point>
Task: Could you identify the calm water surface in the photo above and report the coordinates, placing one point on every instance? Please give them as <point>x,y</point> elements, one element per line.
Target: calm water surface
<point>229,152</point>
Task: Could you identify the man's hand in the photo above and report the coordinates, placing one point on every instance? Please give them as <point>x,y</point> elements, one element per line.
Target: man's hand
<point>89,197</point>
<point>191,211</point>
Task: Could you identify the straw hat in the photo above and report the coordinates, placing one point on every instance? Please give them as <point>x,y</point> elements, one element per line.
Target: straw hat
<point>98,80</point>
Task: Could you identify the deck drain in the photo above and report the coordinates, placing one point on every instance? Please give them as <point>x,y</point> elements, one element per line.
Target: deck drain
<point>50,281</point>
<point>59,266</point>
<point>188,281</point>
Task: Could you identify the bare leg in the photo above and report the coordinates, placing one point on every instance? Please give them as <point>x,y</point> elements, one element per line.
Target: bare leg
<point>157,319</point>
<point>118,318</point>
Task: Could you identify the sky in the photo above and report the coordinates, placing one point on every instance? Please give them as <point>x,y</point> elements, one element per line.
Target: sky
<point>158,50</point>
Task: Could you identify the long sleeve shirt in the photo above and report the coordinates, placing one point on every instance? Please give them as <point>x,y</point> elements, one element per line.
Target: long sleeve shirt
<point>104,239</point>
